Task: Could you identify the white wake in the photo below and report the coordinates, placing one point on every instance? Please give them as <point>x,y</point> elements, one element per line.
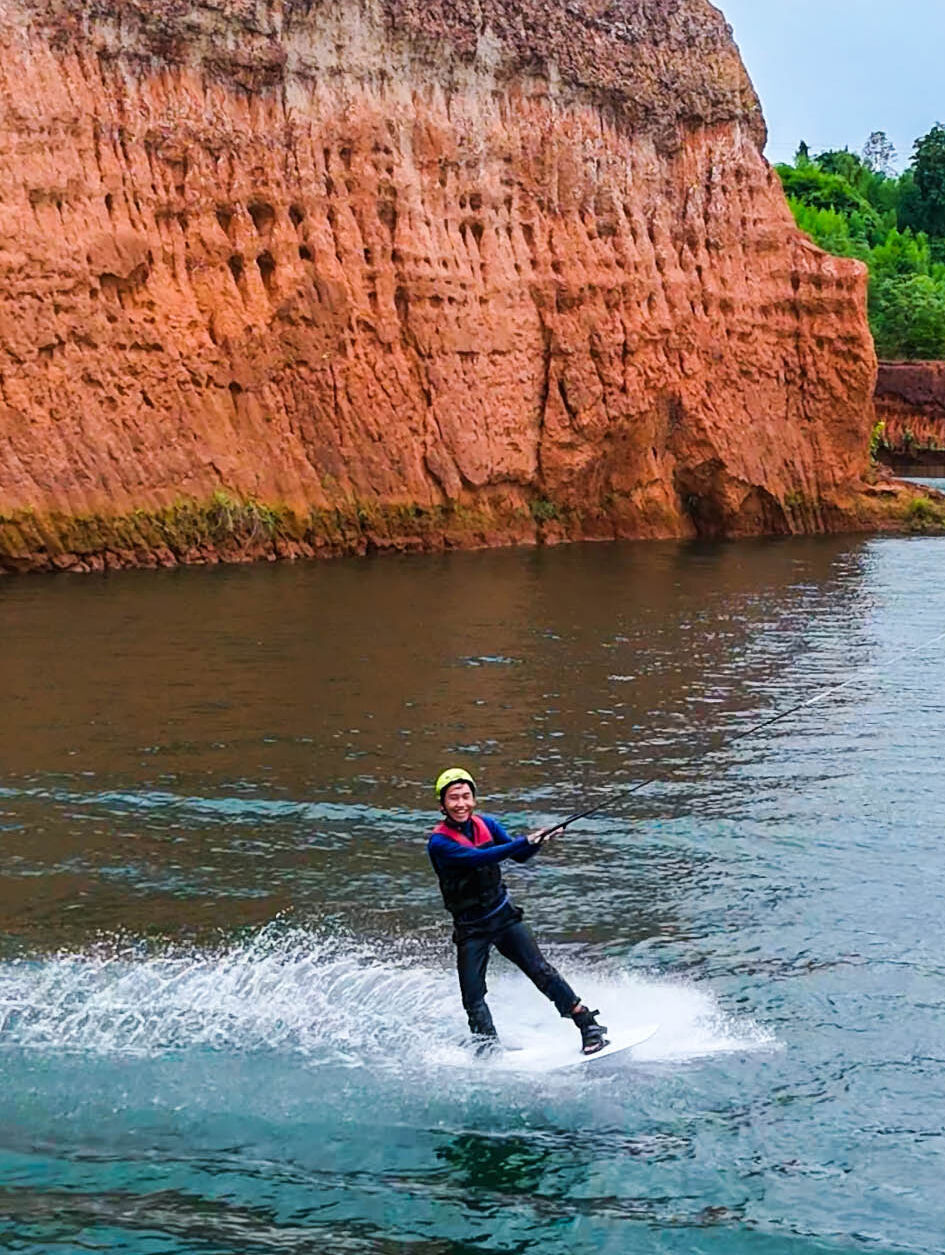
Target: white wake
<point>334,998</point>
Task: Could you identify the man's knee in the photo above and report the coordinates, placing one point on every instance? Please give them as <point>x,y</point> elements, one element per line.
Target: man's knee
<point>542,974</point>
<point>522,949</point>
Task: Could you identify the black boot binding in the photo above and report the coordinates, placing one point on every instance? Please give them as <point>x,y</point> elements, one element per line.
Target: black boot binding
<point>592,1033</point>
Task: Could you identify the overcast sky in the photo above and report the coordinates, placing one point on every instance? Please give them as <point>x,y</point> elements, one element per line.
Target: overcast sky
<point>832,71</point>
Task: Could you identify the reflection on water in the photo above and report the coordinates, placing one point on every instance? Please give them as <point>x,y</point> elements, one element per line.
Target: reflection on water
<point>228,1016</point>
<point>177,733</point>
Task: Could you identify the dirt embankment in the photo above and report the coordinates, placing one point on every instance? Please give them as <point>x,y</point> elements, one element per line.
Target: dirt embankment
<point>910,403</point>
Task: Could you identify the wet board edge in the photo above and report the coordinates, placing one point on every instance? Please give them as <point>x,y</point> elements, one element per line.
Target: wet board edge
<point>625,1041</point>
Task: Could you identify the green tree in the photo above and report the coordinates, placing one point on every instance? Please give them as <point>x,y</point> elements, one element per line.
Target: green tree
<point>848,166</point>
<point>829,229</point>
<point>885,195</point>
<point>907,314</point>
<point>822,189</point>
<point>924,209</point>
<point>852,207</point>
<point>902,253</point>
<point>879,154</point>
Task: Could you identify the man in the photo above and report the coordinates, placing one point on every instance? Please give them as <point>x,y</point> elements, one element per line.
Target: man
<point>466,850</point>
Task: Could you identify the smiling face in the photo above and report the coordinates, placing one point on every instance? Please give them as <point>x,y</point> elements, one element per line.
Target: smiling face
<point>459,802</point>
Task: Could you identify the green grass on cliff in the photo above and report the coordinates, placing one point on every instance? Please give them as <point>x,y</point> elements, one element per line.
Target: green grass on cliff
<point>925,515</point>
<point>226,526</point>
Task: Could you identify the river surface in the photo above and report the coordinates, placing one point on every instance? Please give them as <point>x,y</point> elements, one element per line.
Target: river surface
<point>228,1015</point>
<point>933,481</point>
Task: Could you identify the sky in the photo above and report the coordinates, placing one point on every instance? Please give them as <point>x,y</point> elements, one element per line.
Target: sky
<point>832,71</point>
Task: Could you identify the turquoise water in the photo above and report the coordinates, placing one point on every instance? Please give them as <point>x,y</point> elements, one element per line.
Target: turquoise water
<point>228,1020</point>
<point>933,481</point>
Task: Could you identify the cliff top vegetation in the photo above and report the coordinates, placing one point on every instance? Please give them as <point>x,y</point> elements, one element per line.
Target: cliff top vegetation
<point>855,205</point>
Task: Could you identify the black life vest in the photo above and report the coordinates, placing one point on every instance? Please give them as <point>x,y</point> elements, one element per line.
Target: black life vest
<point>474,891</point>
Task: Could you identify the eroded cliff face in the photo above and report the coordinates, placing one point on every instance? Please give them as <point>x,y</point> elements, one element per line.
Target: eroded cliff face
<point>910,403</point>
<point>282,278</point>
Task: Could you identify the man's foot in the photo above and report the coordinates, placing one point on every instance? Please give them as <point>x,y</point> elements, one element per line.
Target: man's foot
<point>592,1033</point>
<point>480,1020</point>
<point>486,1044</point>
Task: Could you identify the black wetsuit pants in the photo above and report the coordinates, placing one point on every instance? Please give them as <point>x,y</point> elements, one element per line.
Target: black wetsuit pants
<point>515,941</point>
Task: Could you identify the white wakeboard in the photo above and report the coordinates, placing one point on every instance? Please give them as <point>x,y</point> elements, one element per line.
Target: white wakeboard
<point>557,1052</point>
<point>626,1039</point>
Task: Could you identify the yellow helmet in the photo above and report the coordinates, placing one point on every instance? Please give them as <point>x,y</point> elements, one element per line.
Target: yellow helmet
<point>452,775</point>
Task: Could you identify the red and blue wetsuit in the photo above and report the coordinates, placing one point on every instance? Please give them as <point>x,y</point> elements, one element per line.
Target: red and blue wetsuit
<point>466,859</point>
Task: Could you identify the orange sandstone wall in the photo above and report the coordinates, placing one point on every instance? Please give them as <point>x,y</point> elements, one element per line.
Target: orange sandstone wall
<point>290,276</point>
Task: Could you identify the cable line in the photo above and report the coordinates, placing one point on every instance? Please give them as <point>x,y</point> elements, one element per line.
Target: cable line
<point>619,793</point>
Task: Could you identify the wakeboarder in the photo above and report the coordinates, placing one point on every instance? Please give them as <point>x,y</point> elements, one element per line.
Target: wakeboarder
<point>466,850</point>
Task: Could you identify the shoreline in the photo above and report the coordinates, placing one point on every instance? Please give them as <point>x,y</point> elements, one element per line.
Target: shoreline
<point>227,529</point>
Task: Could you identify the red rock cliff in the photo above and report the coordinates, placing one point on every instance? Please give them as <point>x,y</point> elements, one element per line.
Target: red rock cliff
<point>281,275</point>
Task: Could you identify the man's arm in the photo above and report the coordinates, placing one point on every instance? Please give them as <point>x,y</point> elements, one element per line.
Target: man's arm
<point>445,852</point>
<point>501,837</point>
